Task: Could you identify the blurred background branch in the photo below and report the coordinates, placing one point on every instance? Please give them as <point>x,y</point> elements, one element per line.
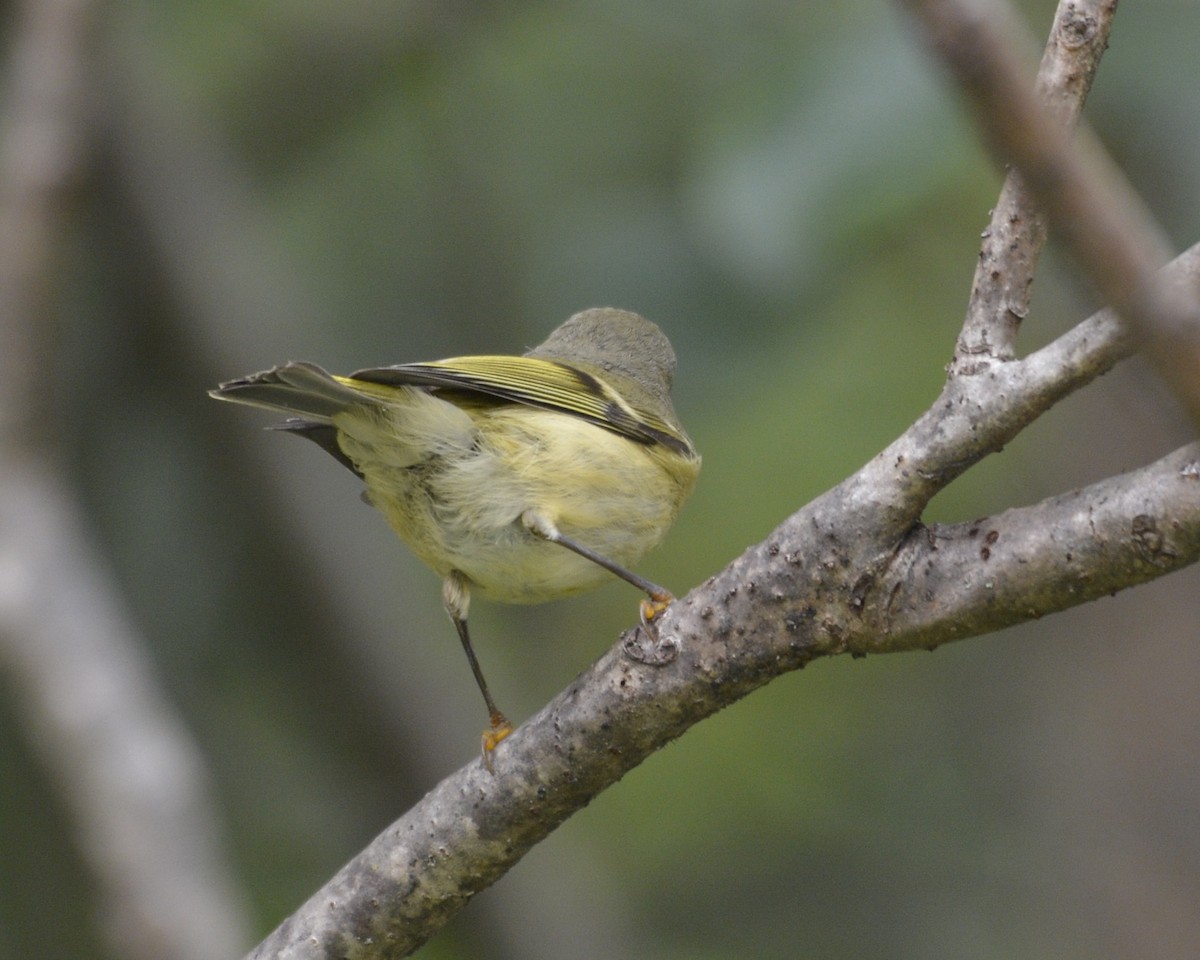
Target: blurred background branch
<point>127,769</point>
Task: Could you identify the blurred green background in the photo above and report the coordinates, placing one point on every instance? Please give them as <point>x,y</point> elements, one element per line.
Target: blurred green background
<point>791,191</point>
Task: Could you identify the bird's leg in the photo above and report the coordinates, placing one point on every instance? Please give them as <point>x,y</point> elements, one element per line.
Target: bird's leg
<point>457,597</point>
<point>657,598</point>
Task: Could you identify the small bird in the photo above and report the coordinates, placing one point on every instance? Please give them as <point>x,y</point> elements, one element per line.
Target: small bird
<point>520,478</point>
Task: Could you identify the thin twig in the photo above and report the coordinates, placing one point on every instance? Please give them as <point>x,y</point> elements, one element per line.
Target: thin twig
<point>1091,206</point>
<point>1013,240</point>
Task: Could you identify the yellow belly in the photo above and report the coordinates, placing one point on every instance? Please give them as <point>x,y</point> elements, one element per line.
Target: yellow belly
<point>454,482</point>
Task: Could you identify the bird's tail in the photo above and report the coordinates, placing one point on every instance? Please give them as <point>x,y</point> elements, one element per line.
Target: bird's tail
<point>313,397</point>
<point>302,389</point>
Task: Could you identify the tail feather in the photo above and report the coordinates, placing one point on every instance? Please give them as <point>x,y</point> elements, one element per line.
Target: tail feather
<point>324,435</point>
<point>296,388</point>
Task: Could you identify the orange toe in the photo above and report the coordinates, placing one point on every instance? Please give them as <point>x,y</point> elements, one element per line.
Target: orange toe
<point>653,607</point>
<point>492,736</point>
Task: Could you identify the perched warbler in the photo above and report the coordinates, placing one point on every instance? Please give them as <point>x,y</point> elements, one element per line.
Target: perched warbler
<point>522,479</point>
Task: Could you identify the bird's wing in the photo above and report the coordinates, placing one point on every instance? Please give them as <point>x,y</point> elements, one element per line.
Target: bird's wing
<point>536,382</point>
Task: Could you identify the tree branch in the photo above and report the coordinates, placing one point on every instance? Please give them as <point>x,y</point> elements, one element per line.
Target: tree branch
<point>1079,546</point>
<point>853,572</point>
<point>800,595</point>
